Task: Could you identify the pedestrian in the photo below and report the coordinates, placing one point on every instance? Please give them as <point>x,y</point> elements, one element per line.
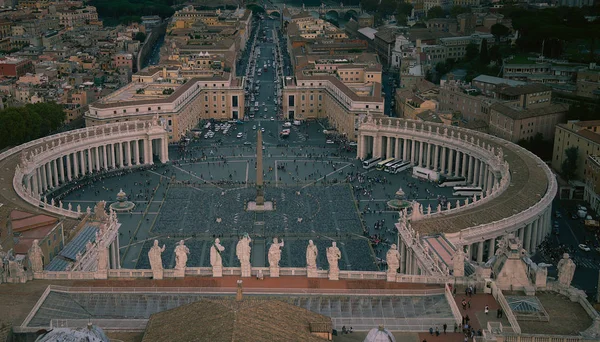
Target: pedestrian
<point>445,326</point>
<point>455,327</point>
<point>431,331</point>
<point>487,309</point>
<point>437,331</point>
<point>469,303</point>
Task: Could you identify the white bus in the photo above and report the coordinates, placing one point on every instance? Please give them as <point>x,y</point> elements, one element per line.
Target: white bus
<point>399,167</point>
<point>426,174</point>
<point>389,165</point>
<point>367,164</point>
<point>467,191</point>
<point>446,181</point>
<point>381,165</point>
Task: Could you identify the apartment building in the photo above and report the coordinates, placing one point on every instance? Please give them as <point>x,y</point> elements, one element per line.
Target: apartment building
<point>514,123</point>
<point>458,97</point>
<point>588,82</point>
<point>456,47</point>
<point>340,88</point>
<point>77,17</point>
<point>180,102</point>
<point>583,135</point>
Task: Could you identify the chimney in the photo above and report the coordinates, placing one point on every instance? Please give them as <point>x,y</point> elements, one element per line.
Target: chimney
<point>239,294</point>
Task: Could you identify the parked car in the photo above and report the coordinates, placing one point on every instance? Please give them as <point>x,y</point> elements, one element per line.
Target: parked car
<point>584,248</point>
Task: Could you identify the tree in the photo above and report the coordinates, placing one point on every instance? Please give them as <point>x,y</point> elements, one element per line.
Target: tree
<point>455,11</point>
<point>471,52</point>
<point>495,54</point>
<point>20,125</point>
<point>569,164</point>
<point>369,5</point>
<point>140,37</point>
<point>484,57</point>
<point>387,7</point>
<point>499,31</point>
<point>436,12</point>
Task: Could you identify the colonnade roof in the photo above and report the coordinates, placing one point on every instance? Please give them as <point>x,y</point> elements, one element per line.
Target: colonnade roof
<point>528,185</point>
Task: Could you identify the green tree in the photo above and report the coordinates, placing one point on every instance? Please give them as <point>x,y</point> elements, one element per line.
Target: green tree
<point>499,31</point>
<point>495,54</point>
<point>471,52</point>
<point>484,57</point>
<point>387,7</point>
<point>569,164</point>
<point>538,146</point>
<point>457,10</point>
<point>140,36</point>
<point>369,5</point>
<point>19,125</point>
<point>436,12</point>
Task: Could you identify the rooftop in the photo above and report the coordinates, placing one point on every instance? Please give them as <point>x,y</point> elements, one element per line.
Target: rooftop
<point>520,113</point>
<point>497,80</point>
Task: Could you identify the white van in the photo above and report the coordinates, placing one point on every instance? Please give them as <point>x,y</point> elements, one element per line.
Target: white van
<point>287,124</point>
<point>297,122</point>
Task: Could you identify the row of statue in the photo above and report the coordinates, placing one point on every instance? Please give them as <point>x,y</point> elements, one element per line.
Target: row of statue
<point>243,252</point>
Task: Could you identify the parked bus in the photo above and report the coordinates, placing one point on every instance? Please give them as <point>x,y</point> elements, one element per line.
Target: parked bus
<point>426,174</point>
<point>399,167</point>
<point>388,166</point>
<point>467,191</point>
<point>381,165</point>
<point>367,164</point>
<point>446,181</point>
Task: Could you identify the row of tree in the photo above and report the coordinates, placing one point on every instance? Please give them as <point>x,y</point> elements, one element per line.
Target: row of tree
<point>126,11</point>
<point>20,125</point>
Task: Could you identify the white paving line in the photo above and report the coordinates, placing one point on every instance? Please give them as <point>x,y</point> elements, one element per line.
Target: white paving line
<point>329,174</point>
<point>193,175</point>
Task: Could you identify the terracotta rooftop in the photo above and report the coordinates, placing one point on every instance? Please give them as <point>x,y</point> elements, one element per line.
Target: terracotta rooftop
<point>230,320</point>
<point>519,114</point>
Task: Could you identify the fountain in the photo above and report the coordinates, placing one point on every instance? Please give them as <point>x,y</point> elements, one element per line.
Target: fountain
<point>122,204</point>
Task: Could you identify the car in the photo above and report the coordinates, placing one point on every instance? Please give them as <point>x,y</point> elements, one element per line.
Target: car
<point>262,129</point>
<point>254,127</point>
<point>239,135</point>
<point>263,104</point>
<point>353,143</point>
<point>266,109</point>
<point>574,216</point>
<point>584,247</point>
<point>556,231</point>
<point>329,142</point>
<point>556,224</point>
<point>272,119</point>
<point>558,214</point>
<point>247,143</point>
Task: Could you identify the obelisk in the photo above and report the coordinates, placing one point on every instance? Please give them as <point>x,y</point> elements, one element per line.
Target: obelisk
<point>260,196</point>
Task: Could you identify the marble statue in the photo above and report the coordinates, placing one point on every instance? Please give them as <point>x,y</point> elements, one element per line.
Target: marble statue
<point>35,257</point>
<point>154,255</point>
<point>102,259</point>
<point>393,261</point>
<point>215,254</point>
<point>458,262</point>
<point>99,211</point>
<point>566,270</point>
<point>311,255</point>
<point>274,257</point>
<point>181,255</point>
<point>333,256</point>
<point>242,251</point>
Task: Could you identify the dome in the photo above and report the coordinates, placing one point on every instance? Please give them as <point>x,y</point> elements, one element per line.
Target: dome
<point>379,335</point>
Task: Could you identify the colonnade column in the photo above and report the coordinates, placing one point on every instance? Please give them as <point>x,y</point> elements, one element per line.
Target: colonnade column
<point>450,161</point>
<point>402,254</point>
<point>89,160</point>
<point>491,248</point>
<point>527,242</point>
<point>404,149</point>
<point>480,251</point>
<point>55,171</point>
<point>128,153</point>
<point>83,161</point>
<point>420,153</point>
<point>97,157</point>
<point>482,175</point>
<point>113,160</point>
<point>48,171</point>
<point>104,157</point>
<point>69,171</point>
<point>436,155</point>
<point>470,170</point>
<point>444,151</point>
<point>476,166</point>
<point>136,152</point>
<point>61,169</point>
<point>388,147</point>
<point>75,165</point>
<point>464,165</point>
<point>428,160</point>
<point>412,152</point>
<point>521,233</point>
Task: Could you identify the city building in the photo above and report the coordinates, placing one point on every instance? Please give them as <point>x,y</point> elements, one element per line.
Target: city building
<point>78,16</point>
<point>515,123</point>
<point>179,101</point>
<point>582,135</point>
<point>340,89</point>
<point>588,82</point>
<point>15,67</point>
